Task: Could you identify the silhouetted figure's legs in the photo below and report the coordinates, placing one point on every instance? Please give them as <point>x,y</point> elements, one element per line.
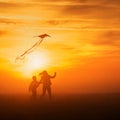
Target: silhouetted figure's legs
<point>34,94</point>
<point>49,91</point>
<point>44,90</point>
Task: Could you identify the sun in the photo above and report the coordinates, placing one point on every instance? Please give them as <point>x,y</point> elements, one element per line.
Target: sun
<point>34,62</point>
<point>37,60</point>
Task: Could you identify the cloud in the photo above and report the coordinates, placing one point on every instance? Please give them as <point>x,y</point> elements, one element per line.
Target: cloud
<point>56,22</point>
<point>7,4</point>
<point>93,9</point>
<point>68,14</point>
<point>109,38</point>
<point>111,2</point>
<point>11,4</point>
<point>3,32</point>
<point>67,8</point>
<point>10,21</point>
<point>61,46</point>
<point>93,2</point>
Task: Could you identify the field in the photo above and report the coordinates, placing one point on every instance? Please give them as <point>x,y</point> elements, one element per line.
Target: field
<point>61,107</point>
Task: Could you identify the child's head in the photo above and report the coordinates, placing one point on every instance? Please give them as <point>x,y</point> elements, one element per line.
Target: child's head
<point>43,73</point>
<point>34,77</point>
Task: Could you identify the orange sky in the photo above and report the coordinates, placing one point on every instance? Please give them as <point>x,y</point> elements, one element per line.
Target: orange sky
<point>84,48</point>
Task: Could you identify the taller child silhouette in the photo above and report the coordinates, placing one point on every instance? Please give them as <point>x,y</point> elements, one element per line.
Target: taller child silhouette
<point>46,81</point>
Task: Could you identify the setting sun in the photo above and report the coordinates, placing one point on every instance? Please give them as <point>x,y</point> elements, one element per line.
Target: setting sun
<point>35,61</point>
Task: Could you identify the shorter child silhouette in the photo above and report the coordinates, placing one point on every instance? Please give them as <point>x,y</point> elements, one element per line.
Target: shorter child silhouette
<point>33,86</point>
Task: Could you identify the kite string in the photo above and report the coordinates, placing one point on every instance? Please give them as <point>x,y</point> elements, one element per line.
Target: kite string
<point>35,45</point>
<point>22,56</point>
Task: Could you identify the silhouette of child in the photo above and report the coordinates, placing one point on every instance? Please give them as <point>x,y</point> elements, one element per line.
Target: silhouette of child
<point>45,80</point>
<point>33,86</point>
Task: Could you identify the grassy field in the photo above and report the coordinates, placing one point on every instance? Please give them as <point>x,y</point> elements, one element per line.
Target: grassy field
<point>61,107</point>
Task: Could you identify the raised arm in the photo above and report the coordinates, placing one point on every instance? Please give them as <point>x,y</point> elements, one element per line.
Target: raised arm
<point>53,75</point>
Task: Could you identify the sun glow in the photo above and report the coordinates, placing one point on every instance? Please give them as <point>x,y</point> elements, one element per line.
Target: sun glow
<point>35,61</point>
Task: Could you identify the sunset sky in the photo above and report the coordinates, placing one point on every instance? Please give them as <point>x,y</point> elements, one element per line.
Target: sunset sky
<point>84,47</point>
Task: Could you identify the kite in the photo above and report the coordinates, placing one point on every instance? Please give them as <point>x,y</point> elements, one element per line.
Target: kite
<point>22,56</point>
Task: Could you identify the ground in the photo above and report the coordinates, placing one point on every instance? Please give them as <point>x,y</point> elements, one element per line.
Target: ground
<point>61,107</point>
